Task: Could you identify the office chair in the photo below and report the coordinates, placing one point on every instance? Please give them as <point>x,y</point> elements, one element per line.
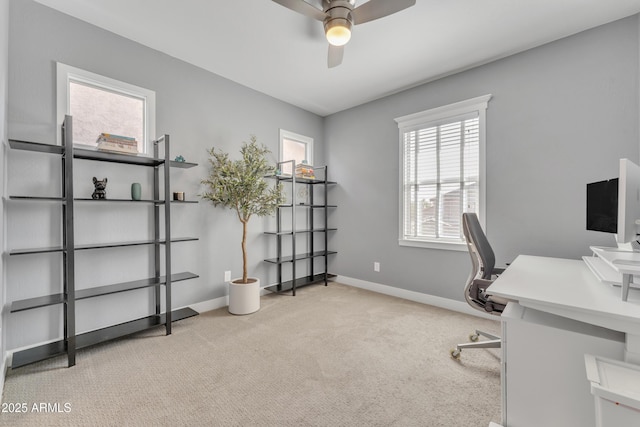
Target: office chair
<point>483,273</point>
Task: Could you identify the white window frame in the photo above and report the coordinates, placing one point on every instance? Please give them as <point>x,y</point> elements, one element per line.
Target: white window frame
<point>66,73</point>
<point>431,117</point>
<point>306,140</point>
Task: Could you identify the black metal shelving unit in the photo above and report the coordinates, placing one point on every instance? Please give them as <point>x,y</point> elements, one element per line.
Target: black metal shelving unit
<point>69,295</point>
<point>311,277</point>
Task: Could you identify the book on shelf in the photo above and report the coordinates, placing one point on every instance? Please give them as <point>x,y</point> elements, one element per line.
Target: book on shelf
<point>117,143</point>
<point>117,137</point>
<point>304,170</point>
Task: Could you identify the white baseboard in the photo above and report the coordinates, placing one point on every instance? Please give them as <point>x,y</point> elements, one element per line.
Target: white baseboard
<point>446,303</point>
<point>6,362</point>
<point>435,301</point>
<point>216,303</point>
<point>212,304</point>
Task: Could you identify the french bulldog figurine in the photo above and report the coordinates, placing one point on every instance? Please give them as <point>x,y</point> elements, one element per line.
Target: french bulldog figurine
<point>101,189</point>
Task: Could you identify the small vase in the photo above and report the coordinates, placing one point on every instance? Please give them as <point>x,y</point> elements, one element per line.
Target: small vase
<point>136,191</point>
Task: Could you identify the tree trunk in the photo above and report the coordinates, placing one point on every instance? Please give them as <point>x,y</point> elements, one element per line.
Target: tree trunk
<point>244,252</point>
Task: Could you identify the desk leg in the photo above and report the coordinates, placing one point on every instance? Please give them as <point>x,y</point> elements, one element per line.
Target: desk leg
<point>503,364</point>
<point>632,349</point>
<point>627,279</point>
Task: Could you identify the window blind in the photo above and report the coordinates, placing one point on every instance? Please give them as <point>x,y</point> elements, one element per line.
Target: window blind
<point>440,178</point>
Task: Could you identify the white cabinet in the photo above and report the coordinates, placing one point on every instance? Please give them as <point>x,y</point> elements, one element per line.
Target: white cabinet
<point>544,381</point>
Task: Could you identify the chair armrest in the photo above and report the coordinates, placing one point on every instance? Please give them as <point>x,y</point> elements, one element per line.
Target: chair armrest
<point>479,285</point>
<point>498,271</point>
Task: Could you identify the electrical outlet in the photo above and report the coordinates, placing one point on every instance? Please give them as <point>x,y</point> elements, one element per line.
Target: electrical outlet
<point>376,267</point>
<point>227,276</point>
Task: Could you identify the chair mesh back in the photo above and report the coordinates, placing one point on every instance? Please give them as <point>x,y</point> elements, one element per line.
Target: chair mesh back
<point>479,240</point>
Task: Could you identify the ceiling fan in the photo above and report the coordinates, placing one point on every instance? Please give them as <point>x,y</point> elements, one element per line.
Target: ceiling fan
<point>339,16</point>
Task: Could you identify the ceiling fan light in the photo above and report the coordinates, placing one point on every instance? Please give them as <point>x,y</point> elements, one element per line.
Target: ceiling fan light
<point>338,32</point>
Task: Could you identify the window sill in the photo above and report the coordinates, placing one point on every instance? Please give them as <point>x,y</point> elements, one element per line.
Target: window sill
<point>447,246</point>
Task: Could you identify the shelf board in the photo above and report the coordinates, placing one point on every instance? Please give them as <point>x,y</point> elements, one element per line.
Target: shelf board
<point>105,156</point>
<point>134,243</point>
<point>88,339</point>
<point>299,257</point>
<point>285,233</point>
<point>278,233</point>
<point>36,146</point>
<point>98,246</point>
<point>36,354</point>
<point>89,199</point>
<point>37,199</point>
<point>178,202</point>
<point>94,154</point>
<point>131,159</point>
<point>123,329</point>
<point>305,205</point>
<point>301,281</point>
<point>317,230</point>
<point>44,301</point>
<point>129,286</point>
<point>182,165</point>
<point>36,250</point>
<point>47,300</point>
<point>300,180</point>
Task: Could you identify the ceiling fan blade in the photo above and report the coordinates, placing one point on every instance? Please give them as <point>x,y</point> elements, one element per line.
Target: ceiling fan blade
<point>304,8</point>
<point>374,9</point>
<point>334,58</point>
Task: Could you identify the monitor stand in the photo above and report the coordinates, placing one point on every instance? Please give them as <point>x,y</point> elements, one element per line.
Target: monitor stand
<point>615,266</point>
<point>633,246</point>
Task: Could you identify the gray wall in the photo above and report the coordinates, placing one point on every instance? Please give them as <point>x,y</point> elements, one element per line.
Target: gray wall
<point>198,109</point>
<point>561,116</point>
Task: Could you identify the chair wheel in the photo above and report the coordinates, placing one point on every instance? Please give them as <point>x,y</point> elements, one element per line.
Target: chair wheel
<point>473,337</point>
<point>455,353</point>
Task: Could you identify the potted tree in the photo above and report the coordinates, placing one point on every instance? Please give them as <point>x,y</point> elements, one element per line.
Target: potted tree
<point>240,185</point>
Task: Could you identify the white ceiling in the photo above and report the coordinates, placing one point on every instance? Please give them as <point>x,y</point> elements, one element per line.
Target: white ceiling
<point>274,50</point>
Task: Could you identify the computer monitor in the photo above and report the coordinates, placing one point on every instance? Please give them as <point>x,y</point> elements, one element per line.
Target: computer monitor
<point>602,206</point>
<point>628,202</point>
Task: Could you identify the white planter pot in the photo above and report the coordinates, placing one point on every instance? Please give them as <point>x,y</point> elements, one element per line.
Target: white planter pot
<point>244,298</point>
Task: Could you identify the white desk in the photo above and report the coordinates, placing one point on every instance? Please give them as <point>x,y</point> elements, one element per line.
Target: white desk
<point>560,310</point>
<point>569,289</point>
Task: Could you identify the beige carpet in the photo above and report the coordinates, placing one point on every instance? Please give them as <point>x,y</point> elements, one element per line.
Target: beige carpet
<point>331,356</point>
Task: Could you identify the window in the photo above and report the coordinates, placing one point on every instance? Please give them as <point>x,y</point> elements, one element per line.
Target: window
<point>295,147</point>
<point>99,104</point>
<point>441,173</point>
